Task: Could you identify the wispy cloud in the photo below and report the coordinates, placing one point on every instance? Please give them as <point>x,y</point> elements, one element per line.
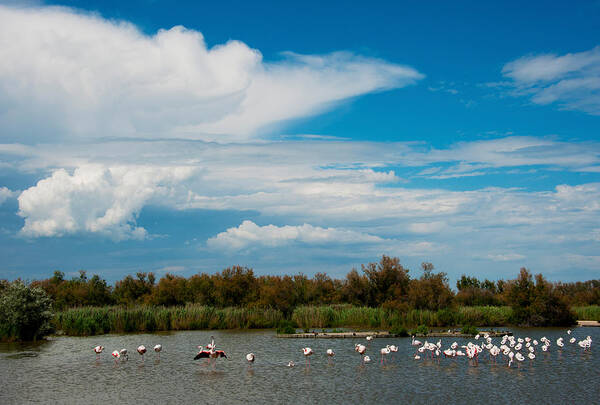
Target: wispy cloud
<point>572,80</point>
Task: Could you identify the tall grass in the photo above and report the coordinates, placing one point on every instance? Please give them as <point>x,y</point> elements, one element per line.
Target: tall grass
<point>98,320</point>
<point>310,317</point>
<point>589,313</point>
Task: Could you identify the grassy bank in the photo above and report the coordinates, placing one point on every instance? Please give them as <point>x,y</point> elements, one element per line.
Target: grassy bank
<point>589,313</point>
<point>98,320</point>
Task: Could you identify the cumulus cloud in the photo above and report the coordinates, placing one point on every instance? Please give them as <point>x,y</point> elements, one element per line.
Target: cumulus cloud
<point>571,80</point>
<point>248,234</point>
<point>95,199</point>
<point>84,76</point>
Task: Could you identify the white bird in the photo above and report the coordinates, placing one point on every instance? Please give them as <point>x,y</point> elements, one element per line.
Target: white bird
<point>307,351</point>
<point>572,340</point>
<point>531,356</point>
<point>98,350</point>
<point>559,342</point>
<point>417,357</point>
<point>141,350</point>
<point>366,359</point>
<point>519,358</point>
<point>330,354</point>
<point>124,354</point>
<point>116,355</point>
<point>369,338</point>
<point>384,352</point>
<point>158,349</point>
<point>290,364</point>
<point>250,357</point>
<point>569,332</point>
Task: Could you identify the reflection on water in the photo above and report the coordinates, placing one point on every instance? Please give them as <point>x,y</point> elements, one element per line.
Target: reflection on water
<point>65,370</point>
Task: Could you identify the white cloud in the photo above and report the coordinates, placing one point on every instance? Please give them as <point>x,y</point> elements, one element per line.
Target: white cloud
<point>505,257</point>
<point>95,199</point>
<point>248,234</point>
<point>571,80</point>
<point>5,194</point>
<point>69,74</point>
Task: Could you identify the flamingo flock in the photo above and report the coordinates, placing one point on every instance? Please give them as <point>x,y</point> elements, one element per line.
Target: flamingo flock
<point>509,349</point>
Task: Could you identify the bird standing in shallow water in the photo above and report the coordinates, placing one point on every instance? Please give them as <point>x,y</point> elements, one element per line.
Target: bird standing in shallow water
<point>250,357</point>
<point>158,349</point>
<point>307,351</point>
<point>98,350</point>
<point>141,350</point>
<point>330,354</point>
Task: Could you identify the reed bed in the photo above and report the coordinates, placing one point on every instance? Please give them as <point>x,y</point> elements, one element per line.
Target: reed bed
<point>588,313</point>
<point>310,317</point>
<point>98,320</point>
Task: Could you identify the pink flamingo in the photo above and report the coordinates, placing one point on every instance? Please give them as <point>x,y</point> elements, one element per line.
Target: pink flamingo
<point>307,351</point>
<point>98,350</point>
<point>141,350</point>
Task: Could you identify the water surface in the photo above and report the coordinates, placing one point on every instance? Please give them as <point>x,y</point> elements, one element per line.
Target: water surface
<point>65,370</point>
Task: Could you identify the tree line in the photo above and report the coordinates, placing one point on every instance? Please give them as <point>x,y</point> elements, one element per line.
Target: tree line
<point>385,284</point>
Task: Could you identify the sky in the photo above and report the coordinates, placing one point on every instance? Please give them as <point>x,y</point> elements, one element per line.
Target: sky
<point>299,137</point>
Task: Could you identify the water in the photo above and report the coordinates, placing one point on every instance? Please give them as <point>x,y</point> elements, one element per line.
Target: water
<point>64,370</point>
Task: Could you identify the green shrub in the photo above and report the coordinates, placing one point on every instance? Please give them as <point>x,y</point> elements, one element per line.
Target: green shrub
<point>286,327</point>
<point>399,331</point>
<point>420,330</point>
<point>469,330</point>
<point>25,312</point>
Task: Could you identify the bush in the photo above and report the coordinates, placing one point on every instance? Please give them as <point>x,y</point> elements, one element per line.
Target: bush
<point>399,331</point>
<point>25,312</point>
<point>470,330</point>
<point>420,330</point>
<point>286,327</point>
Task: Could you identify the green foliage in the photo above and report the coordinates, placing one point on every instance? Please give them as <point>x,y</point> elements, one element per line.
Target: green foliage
<point>469,330</point>
<point>399,331</point>
<point>98,320</point>
<point>536,304</point>
<point>25,312</point>
<point>588,313</point>
<point>420,330</point>
<point>286,327</point>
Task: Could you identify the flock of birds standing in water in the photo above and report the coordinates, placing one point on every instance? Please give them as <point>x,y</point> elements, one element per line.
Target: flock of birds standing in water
<point>511,349</point>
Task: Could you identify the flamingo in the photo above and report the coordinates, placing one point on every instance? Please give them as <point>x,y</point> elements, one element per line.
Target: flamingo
<point>531,356</point>
<point>361,349</point>
<point>208,354</point>
<point>98,350</point>
<point>366,359</point>
<point>124,354</point>
<point>307,351</point>
<point>393,349</point>
<point>291,364</point>
<point>158,349</point>
<point>569,332</point>
<point>116,355</point>
<point>519,358</point>
<point>141,350</point>
<point>330,354</point>
<point>560,343</point>
<point>250,357</point>
<point>415,343</point>
<point>384,352</point>
<point>572,340</point>
<point>369,338</point>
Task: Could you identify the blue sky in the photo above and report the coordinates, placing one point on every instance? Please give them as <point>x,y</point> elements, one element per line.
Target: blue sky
<point>138,136</point>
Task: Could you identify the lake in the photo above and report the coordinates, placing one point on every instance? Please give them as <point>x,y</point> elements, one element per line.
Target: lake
<point>65,370</point>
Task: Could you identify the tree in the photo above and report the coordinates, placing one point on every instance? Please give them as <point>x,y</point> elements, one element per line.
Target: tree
<point>25,312</point>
